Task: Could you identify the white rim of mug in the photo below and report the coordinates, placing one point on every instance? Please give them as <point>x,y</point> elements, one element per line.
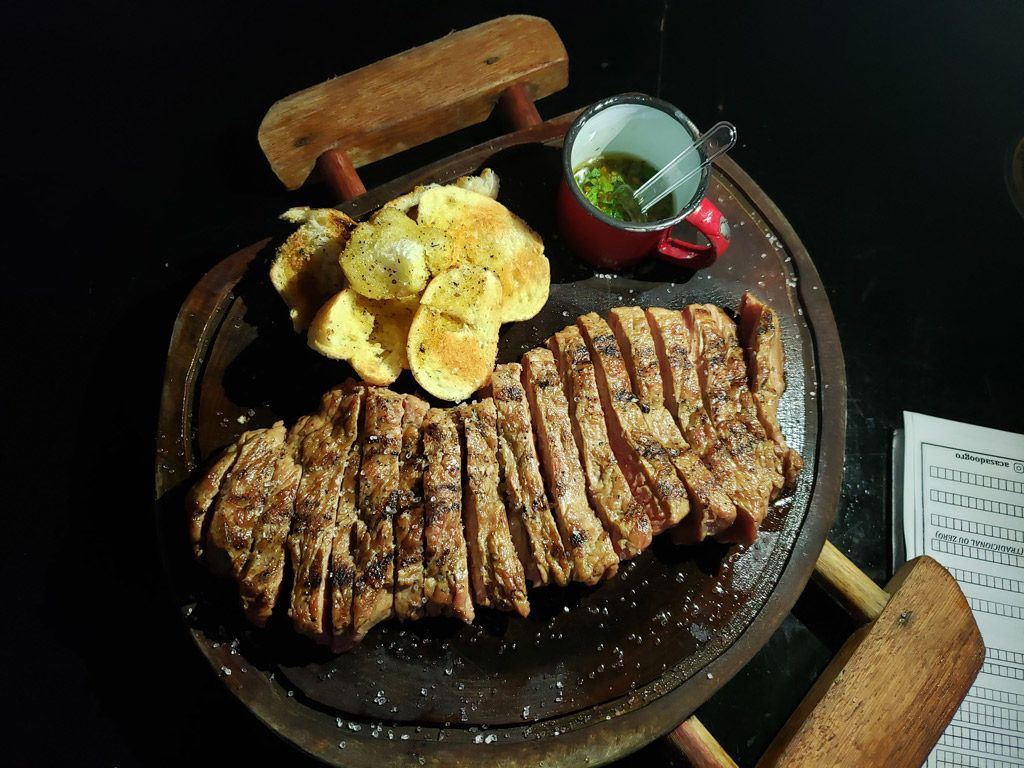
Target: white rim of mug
<point>647,101</point>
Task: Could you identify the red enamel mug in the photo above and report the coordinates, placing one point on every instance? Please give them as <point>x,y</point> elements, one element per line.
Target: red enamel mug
<point>655,131</point>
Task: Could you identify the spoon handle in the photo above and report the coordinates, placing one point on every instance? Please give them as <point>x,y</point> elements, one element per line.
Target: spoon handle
<point>714,142</point>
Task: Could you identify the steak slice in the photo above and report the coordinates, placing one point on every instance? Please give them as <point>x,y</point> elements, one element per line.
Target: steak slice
<point>261,580</point>
<point>494,568</point>
<point>533,527</point>
<point>240,503</point>
<point>323,455</point>
<point>625,520</point>
<point>409,520</point>
<point>675,343</point>
<point>730,408</point>
<point>728,371</point>
<point>713,512</point>
<point>373,597</point>
<point>683,397</point>
<point>644,460</point>
<point>203,495</point>
<point>343,565</point>
<point>445,568</point>
<point>589,546</point>
<point>761,338</point>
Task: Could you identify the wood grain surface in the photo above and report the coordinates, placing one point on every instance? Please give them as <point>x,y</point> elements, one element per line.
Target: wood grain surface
<point>414,96</point>
<point>700,748</point>
<point>891,690</point>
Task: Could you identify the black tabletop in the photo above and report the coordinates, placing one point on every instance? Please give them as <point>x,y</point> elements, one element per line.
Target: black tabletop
<point>881,130</point>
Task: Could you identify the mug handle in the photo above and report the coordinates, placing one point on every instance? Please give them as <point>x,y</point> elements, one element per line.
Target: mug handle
<point>710,222</point>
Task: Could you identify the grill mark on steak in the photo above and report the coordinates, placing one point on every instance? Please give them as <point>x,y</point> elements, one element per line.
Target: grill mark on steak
<point>240,503</point>
<point>263,575</point>
<point>445,565</point>
<point>323,455</point>
<point>624,519</point>
<point>373,599</point>
<point>761,338</point>
<point>589,546</point>
<point>531,524</point>
<point>712,511</point>
<point>643,459</point>
<point>343,563</point>
<point>494,568</point>
<point>722,373</point>
<point>203,496</point>
<point>678,349</point>
<point>409,520</point>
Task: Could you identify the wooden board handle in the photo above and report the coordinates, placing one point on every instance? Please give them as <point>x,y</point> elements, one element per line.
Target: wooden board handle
<point>891,690</point>
<point>701,749</point>
<point>417,95</point>
<point>848,585</point>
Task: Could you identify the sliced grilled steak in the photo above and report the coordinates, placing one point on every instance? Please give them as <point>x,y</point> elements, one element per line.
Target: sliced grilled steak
<point>761,337</point>
<point>680,380</point>
<point>533,528</point>
<point>675,344</point>
<point>712,512</point>
<point>240,503</point>
<point>445,567</point>
<point>625,520</point>
<point>739,403</point>
<point>730,407</point>
<point>589,546</point>
<point>494,568</point>
<point>261,579</point>
<point>373,597</point>
<point>644,460</point>
<point>203,495</point>
<point>424,510</point>
<point>323,455</point>
<point>409,520</point>
<point>343,563</point>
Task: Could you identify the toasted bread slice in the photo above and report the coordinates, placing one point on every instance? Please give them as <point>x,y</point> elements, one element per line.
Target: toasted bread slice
<point>387,256</point>
<point>370,335</point>
<point>305,270</point>
<point>453,340</point>
<point>482,231</point>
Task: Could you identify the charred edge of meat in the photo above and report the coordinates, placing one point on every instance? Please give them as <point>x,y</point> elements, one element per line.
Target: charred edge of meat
<point>376,569</point>
<point>577,538</point>
<point>342,577</point>
<point>509,393</point>
<point>580,355</point>
<point>606,345</point>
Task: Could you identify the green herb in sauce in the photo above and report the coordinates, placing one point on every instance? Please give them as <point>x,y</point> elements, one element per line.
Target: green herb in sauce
<point>599,178</point>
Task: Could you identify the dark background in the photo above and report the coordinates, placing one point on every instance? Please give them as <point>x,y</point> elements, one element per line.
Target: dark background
<point>131,166</point>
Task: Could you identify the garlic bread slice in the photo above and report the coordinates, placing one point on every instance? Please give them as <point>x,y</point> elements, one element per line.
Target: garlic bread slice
<point>453,340</point>
<point>482,231</point>
<point>370,335</point>
<point>305,270</point>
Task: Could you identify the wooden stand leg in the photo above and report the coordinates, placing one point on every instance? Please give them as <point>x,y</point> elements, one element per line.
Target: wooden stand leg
<point>702,750</point>
<point>518,107</point>
<point>339,172</point>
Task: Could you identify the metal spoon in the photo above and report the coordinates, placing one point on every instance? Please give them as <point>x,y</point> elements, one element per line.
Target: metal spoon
<point>716,141</point>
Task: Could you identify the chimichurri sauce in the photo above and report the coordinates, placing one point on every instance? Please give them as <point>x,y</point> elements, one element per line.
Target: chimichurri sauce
<point>598,179</point>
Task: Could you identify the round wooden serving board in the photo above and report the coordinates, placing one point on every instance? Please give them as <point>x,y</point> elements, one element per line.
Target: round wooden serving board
<point>593,673</point>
